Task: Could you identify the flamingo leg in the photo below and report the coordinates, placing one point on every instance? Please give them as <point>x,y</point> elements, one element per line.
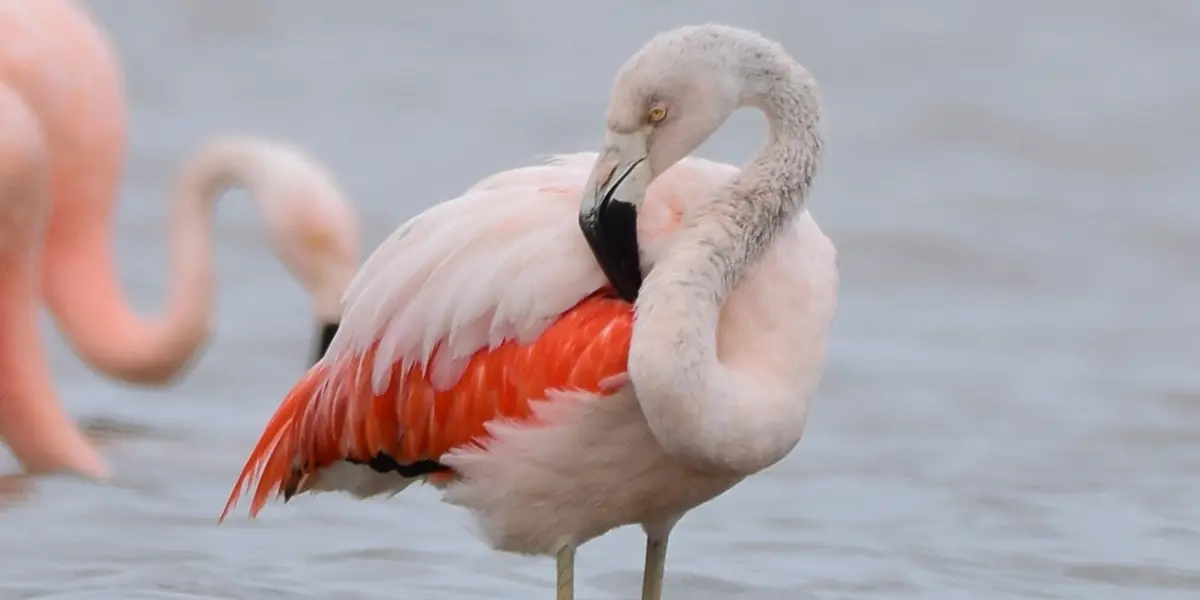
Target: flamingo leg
<point>656,564</point>
<point>566,573</point>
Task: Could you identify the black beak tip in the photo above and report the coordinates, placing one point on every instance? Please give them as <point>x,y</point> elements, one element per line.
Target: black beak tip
<point>611,232</point>
<point>629,288</point>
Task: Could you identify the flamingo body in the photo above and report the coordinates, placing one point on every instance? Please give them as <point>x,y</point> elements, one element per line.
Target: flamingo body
<point>481,350</point>
<point>62,145</point>
<point>489,346</point>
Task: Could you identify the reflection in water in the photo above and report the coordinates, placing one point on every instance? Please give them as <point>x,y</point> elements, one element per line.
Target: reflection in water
<point>103,432</point>
<point>15,488</point>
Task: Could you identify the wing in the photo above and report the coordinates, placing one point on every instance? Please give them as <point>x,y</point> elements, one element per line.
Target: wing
<point>500,262</point>
<point>467,313</point>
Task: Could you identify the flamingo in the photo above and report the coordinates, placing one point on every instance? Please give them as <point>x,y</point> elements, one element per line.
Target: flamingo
<point>62,128</point>
<point>504,347</point>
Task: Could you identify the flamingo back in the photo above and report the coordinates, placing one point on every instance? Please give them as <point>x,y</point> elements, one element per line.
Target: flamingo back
<point>466,315</point>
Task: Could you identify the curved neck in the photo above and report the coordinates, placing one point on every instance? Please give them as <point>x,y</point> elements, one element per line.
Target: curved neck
<point>698,407</point>
<point>83,291</point>
<point>33,424</point>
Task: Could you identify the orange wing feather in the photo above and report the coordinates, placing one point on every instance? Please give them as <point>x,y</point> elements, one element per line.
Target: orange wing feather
<point>411,421</point>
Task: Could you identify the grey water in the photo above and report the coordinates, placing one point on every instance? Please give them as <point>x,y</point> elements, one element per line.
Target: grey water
<point>1012,406</point>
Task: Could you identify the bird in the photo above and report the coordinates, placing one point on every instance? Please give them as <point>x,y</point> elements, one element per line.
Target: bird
<point>599,340</point>
<point>63,116</point>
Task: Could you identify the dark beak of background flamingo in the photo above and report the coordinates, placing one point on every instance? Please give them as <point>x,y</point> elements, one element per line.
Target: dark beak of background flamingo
<point>325,334</point>
<point>610,226</point>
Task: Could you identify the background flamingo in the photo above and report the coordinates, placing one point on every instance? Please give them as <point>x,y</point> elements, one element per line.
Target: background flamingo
<point>63,143</point>
<point>481,352</point>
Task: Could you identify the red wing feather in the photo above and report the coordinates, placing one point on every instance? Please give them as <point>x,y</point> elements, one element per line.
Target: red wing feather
<point>410,421</point>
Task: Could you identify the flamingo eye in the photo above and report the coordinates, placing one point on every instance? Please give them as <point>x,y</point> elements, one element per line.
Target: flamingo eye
<point>656,114</point>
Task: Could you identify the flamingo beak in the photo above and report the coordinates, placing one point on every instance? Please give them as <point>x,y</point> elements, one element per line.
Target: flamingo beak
<point>324,338</point>
<point>608,218</point>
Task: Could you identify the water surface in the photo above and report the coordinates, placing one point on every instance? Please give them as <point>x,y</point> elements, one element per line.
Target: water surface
<point>1012,403</point>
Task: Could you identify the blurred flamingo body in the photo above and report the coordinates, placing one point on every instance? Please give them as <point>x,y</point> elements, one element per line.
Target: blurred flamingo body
<point>63,122</point>
<point>489,347</point>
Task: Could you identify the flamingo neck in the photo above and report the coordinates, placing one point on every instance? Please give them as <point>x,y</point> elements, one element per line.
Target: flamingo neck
<point>705,403</point>
<point>33,424</point>
<point>83,291</point>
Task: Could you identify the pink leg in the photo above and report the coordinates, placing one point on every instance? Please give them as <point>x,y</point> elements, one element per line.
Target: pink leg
<point>566,573</point>
<point>656,564</point>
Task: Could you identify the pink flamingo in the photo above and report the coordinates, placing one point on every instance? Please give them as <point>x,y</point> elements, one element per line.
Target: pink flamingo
<point>62,128</point>
<point>482,350</point>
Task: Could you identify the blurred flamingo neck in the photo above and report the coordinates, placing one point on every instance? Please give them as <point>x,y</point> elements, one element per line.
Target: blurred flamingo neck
<point>33,423</point>
<point>700,407</point>
<point>84,293</point>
